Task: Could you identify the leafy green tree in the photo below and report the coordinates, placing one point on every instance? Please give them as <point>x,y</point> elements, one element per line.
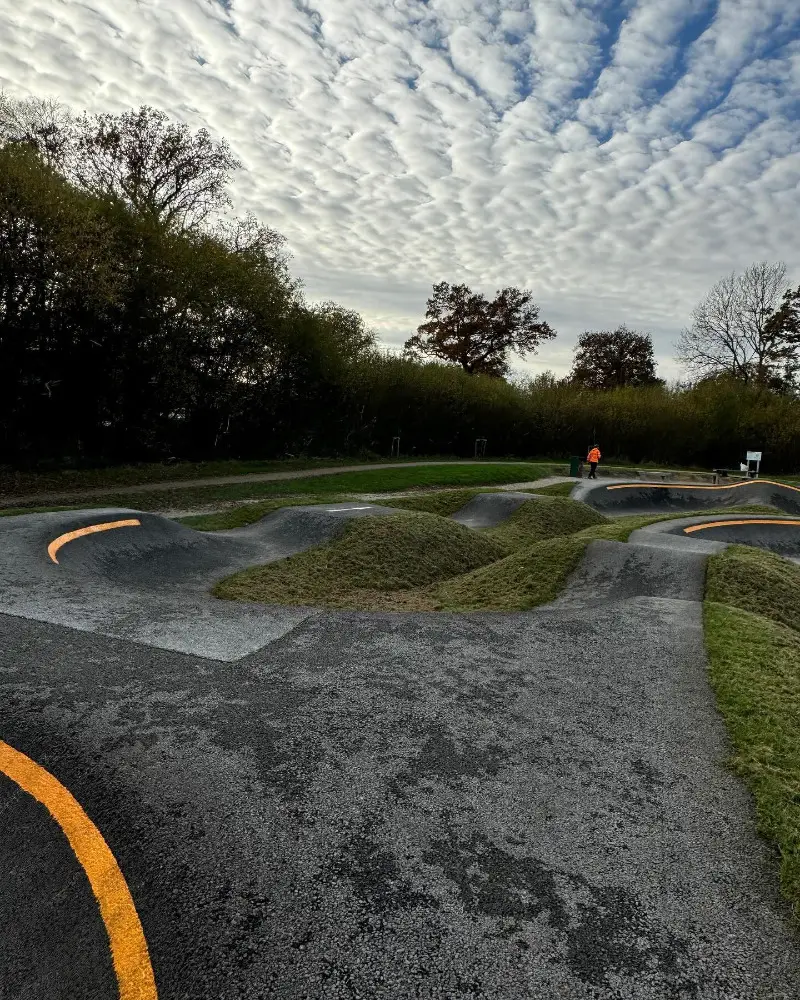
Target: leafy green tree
<point>465,329</point>
<point>58,279</point>
<point>612,359</point>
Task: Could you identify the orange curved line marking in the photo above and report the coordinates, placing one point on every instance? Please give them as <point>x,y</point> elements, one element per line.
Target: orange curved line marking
<point>128,945</point>
<point>676,486</point>
<point>70,536</point>
<point>750,520</point>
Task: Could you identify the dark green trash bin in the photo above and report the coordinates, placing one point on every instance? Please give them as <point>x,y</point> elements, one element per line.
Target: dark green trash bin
<point>575,467</point>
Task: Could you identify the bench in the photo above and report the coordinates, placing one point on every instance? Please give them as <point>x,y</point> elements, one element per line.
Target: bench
<point>730,474</point>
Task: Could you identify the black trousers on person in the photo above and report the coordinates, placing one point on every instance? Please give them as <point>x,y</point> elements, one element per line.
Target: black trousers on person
<point>592,470</point>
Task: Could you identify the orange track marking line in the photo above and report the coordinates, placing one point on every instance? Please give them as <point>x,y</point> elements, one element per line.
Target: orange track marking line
<point>128,945</point>
<point>686,486</point>
<point>750,520</point>
<point>70,536</point>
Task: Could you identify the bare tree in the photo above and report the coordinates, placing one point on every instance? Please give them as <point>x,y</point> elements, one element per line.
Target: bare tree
<point>158,167</point>
<point>730,329</point>
<point>46,125</point>
<point>762,286</point>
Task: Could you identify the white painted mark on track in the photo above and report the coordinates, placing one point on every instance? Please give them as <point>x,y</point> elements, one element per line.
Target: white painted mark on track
<point>341,510</point>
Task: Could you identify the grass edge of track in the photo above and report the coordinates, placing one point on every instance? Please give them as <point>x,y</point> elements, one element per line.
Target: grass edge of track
<point>751,618</point>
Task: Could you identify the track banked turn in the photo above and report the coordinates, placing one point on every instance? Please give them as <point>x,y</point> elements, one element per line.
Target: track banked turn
<point>624,497</point>
<point>505,806</point>
<point>149,578</point>
<point>144,577</point>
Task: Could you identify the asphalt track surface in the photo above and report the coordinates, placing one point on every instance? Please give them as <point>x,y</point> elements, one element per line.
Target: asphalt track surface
<point>620,496</point>
<point>780,534</point>
<point>500,806</point>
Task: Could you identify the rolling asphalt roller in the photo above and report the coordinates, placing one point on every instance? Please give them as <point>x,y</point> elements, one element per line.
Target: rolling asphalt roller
<point>710,534</point>
<point>143,577</point>
<point>487,510</point>
<point>140,576</point>
<point>125,573</point>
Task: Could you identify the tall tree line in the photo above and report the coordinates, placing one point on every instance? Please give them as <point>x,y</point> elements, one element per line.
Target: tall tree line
<point>134,320</point>
<point>138,321</point>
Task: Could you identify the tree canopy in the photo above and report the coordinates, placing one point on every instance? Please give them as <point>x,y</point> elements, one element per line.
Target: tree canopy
<point>466,329</point>
<point>160,168</point>
<point>611,359</point>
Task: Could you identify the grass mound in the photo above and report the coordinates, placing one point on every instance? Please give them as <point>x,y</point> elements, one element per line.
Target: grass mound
<point>442,502</point>
<point>754,668</point>
<point>758,581</point>
<point>249,513</point>
<point>373,557</point>
<point>525,579</point>
<point>537,520</point>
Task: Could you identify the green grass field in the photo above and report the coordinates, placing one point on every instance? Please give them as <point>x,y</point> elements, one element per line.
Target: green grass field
<point>155,472</point>
<point>366,481</point>
<point>160,472</point>
<point>17,483</point>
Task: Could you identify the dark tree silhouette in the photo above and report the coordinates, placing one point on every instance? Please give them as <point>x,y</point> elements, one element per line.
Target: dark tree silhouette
<point>610,359</point>
<point>784,323</point>
<point>44,125</point>
<point>731,331</point>
<point>466,329</point>
<point>157,167</point>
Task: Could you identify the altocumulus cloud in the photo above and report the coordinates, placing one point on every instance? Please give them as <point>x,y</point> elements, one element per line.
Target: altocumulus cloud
<point>616,158</point>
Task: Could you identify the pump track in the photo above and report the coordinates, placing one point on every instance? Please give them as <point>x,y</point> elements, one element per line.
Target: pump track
<point>214,800</point>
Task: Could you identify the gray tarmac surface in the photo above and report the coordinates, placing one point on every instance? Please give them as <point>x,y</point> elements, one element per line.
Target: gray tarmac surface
<point>490,509</point>
<point>397,806</point>
<point>150,584</point>
<point>783,538</point>
<point>723,530</point>
<point>643,498</point>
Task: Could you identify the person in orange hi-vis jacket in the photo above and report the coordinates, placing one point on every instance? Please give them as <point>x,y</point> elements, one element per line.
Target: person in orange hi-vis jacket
<point>593,458</point>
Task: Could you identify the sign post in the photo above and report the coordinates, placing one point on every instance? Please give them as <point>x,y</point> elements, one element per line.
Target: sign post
<point>753,458</point>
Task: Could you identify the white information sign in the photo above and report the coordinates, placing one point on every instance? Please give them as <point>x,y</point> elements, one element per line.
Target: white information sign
<point>754,456</point>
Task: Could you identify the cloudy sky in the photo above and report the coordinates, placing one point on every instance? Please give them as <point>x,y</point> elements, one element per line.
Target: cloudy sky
<point>616,158</point>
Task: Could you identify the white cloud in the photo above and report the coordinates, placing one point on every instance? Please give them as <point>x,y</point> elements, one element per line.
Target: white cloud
<point>616,169</point>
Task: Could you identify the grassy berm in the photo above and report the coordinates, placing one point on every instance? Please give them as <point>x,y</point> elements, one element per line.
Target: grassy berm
<point>426,562</point>
<point>421,561</point>
<point>752,629</point>
<point>366,566</point>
